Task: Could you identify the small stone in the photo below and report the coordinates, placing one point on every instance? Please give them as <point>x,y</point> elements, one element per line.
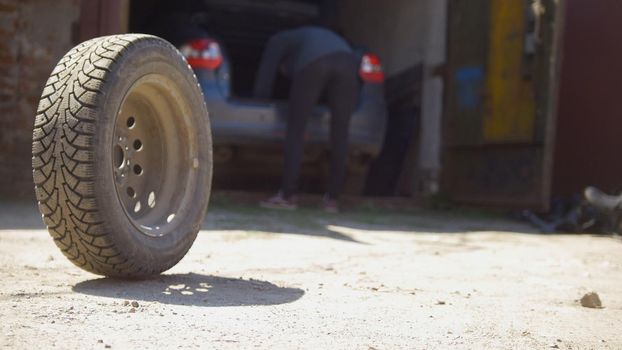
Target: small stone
<point>126,303</point>
<point>440,302</point>
<point>107,346</point>
<point>135,303</point>
<point>132,310</point>
<point>591,300</point>
<point>100,341</point>
<point>554,346</point>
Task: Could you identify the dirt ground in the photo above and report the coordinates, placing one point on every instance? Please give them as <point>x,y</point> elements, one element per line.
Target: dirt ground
<point>365,279</point>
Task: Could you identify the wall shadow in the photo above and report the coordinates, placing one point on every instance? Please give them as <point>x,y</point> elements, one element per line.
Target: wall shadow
<point>311,221</point>
<point>231,213</point>
<point>20,215</point>
<point>192,289</point>
<point>306,222</point>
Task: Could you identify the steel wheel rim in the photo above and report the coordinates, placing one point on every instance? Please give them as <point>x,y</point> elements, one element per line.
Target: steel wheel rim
<point>154,155</point>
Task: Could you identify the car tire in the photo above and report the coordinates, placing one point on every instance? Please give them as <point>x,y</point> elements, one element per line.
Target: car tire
<point>122,156</point>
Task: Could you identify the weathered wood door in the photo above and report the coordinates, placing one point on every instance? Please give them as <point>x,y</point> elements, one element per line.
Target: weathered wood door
<point>500,101</point>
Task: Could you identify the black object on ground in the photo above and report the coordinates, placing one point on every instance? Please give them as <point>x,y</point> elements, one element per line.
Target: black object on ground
<point>594,212</point>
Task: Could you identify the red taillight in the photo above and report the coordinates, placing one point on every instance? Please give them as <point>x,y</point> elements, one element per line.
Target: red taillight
<point>371,69</point>
<point>202,53</point>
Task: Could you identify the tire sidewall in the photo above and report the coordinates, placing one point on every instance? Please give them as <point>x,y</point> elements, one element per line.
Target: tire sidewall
<point>150,56</point>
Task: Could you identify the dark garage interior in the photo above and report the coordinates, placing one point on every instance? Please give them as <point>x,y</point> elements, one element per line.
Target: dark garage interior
<point>244,27</point>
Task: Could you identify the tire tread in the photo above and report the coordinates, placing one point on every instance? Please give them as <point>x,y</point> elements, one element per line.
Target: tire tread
<point>63,156</point>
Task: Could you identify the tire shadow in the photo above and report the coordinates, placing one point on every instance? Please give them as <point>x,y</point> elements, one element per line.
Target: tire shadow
<point>192,289</point>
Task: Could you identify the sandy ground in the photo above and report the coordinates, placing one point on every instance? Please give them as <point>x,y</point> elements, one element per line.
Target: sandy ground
<point>366,279</point>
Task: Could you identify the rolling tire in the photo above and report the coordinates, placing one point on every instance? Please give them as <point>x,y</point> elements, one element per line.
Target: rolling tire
<point>122,156</point>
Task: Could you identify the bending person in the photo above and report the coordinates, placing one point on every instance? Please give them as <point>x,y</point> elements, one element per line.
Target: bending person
<point>318,62</point>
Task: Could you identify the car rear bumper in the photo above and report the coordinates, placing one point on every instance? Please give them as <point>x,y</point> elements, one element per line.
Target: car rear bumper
<point>251,122</point>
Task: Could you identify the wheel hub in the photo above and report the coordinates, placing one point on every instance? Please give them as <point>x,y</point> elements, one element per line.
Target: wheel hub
<point>151,163</point>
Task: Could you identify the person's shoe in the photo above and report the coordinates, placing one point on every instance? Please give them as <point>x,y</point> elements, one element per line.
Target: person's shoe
<point>278,201</point>
<point>330,205</point>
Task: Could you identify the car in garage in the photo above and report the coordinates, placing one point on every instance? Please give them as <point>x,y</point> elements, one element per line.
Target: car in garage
<point>223,42</point>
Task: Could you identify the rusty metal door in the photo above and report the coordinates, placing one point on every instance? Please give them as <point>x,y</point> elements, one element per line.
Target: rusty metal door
<point>500,101</point>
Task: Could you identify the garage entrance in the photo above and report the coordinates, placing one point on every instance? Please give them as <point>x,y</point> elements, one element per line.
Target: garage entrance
<point>499,102</point>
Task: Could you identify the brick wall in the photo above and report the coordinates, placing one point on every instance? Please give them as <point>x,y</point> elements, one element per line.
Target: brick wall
<point>34,34</point>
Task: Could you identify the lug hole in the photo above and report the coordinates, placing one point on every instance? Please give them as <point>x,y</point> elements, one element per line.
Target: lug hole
<point>118,157</point>
<point>138,145</point>
<point>170,218</point>
<point>131,121</point>
<point>151,200</point>
<point>138,170</point>
<point>130,192</point>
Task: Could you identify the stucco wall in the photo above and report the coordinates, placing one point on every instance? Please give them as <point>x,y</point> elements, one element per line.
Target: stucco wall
<point>394,30</point>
